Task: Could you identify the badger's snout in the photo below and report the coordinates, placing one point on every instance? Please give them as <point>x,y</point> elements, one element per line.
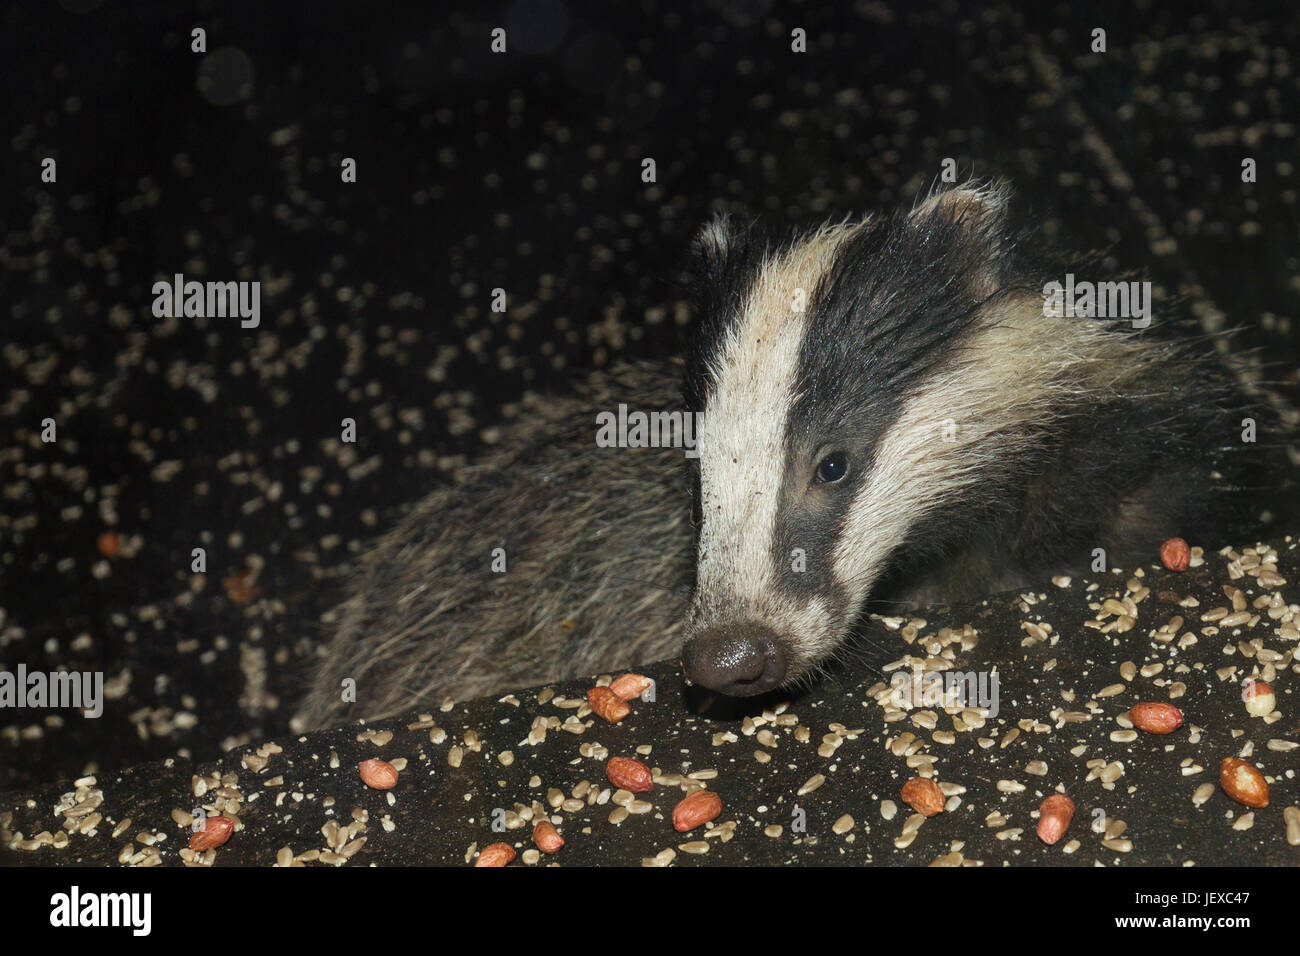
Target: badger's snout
<point>737,661</point>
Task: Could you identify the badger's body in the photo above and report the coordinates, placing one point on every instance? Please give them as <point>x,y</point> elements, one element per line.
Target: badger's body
<point>598,560</point>
<point>889,414</point>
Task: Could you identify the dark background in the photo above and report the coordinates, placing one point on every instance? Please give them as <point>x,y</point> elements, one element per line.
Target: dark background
<point>477,171</point>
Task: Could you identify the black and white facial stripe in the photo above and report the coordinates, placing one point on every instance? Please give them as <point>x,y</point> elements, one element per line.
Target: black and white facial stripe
<point>893,350</point>
<point>751,380</point>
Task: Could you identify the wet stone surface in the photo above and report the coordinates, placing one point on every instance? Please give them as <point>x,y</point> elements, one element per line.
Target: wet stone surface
<point>1071,659</point>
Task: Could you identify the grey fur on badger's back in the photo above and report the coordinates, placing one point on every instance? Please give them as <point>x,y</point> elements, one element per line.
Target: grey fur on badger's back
<point>598,546</point>
<point>919,430</point>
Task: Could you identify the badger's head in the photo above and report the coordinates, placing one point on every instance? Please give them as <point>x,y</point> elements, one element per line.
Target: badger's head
<point>832,368</point>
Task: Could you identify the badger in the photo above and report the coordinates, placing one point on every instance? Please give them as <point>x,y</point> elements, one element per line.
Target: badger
<point>889,415</point>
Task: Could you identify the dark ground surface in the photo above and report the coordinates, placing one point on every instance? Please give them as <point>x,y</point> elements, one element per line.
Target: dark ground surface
<point>520,172</point>
<point>1064,688</point>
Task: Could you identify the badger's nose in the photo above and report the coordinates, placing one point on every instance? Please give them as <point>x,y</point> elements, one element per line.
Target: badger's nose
<point>739,663</point>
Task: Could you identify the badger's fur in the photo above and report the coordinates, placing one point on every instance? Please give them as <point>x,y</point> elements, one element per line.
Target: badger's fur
<point>598,555</point>
<point>889,413</point>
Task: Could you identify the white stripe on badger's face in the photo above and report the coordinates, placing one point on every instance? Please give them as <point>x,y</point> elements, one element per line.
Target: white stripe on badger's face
<point>1019,369</point>
<point>742,442</point>
<point>1002,373</point>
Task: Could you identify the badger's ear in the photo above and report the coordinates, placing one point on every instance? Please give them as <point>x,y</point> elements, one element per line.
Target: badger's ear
<point>976,206</point>
<point>724,255</point>
<point>972,221</point>
<point>713,244</point>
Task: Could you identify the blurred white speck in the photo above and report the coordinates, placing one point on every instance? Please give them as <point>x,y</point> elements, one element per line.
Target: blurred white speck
<point>225,76</point>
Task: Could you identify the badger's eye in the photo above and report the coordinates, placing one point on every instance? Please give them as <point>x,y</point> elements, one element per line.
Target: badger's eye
<point>832,468</point>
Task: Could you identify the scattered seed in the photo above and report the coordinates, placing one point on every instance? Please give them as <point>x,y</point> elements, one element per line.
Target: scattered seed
<point>1292,817</point>
<point>812,783</point>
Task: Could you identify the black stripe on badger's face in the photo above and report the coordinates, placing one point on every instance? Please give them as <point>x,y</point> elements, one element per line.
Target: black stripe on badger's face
<point>811,354</point>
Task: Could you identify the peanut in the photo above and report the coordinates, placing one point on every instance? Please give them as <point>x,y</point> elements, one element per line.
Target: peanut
<point>1175,554</point>
<point>1243,782</point>
<point>923,795</point>
<point>1054,817</point>
<point>546,837</point>
<point>1259,697</point>
<point>605,703</point>
<point>378,774</point>
<point>215,832</point>
<point>697,809</point>
<point>628,774</point>
<point>497,854</point>
<point>630,685</point>
<point>1156,718</point>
